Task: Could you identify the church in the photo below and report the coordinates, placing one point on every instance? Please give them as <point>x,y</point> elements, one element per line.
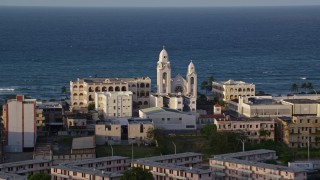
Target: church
<point>178,93</point>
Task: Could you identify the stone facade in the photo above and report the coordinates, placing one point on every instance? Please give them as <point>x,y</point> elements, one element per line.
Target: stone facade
<point>231,89</point>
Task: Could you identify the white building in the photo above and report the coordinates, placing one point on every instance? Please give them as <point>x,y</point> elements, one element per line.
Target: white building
<point>20,124</point>
<point>172,91</point>
<point>231,89</point>
<point>169,119</point>
<point>114,104</point>
<point>263,106</point>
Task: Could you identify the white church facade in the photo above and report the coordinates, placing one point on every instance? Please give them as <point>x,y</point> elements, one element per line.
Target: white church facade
<point>175,93</point>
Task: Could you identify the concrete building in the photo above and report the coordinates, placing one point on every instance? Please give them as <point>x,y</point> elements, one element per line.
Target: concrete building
<point>19,119</point>
<point>114,104</point>
<point>105,168</point>
<point>175,166</point>
<point>52,114</point>
<point>263,106</point>
<point>255,129</point>
<point>248,165</point>
<point>169,119</point>
<point>303,107</point>
<point>299,131</point>
<point>118,130</point>
<point>10,176</point>
<point>82,91</point>
<point>205,119</point>
<point>231,89</point>
<point>25,168</point>
<point>177,93</point>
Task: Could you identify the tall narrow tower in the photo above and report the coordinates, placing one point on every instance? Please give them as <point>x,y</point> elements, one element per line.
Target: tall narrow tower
<point>163,73</point>
<point>192,80</point>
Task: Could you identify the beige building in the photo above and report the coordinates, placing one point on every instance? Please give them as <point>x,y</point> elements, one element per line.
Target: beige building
<point>114,104</point>
<point>82,91</point>
<point>262,106</point>
<point>231,89</point>
<point>175,166</point>
<point>255,129</point>
<point>40,119</point>
<point>105,168</point>
<point>84,145</point>
<point>299,131</point>
<point>115,131</point>
<point>248,165</point>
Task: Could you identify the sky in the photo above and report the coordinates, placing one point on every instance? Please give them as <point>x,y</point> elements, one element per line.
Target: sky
<point>158,3</point>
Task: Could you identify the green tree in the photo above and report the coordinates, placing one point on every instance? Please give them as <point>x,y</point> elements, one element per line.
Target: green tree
<point>294,87</point>
<point>264,133</point>
<point>91,106</point>
<point>39,176</point>
<point>208,130</point>
<point>310,86</point>
<point>160,138</point>
<point>204,86</point>
<point>137,173</point>
<point>64,90</point>
<point>207,85</point>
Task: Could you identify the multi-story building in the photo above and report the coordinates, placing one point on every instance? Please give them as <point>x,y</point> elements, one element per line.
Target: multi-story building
<point>123,129</point>
<point>231,89</point>
<point>255,129</point>
<point>114,104</point>
<point>175,166</point>
<point>262,106</point>
<point>19,119</point>
<point>248,165</point>
<point>105,168</point>
<point>82,91</point>
<point>52,113</point>
<point>299,131</point>
<point>169,119</point>
<point>26,167</point>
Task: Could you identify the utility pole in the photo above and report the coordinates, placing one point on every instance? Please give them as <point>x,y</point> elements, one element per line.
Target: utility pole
<point>242,141</point>
<point>111,149</point>
<point>175,147</point>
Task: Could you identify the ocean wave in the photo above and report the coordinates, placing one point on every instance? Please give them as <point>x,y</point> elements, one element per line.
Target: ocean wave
<point>7,89</point>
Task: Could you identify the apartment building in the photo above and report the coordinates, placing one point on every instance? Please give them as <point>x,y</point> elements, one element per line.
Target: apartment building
<point>82,91</point>
<point>175,166</point>
<point>10,176</point>
<point>255,129</point>
<point>169,119</point>
<point>299,131</point>
<point>26,167</point>
<point>229,90</point>
<point>105,168</point>
<point>52,114</point>
<point>262,106</point>
<point>19,119</point>
<point>117,130</point>
<point>248,165</point>
<point>114,104</point>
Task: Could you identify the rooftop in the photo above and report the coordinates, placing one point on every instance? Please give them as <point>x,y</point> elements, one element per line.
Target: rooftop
<point>84,142</point>
<point>170,156</point>
<point>301,101</point>
<point>112,80</point>
<point>232,82</point>
<point>246,153</point>
<point>91,171</point>
<point>21,163</point>
<point>94,160</point>
<point>153,110</point>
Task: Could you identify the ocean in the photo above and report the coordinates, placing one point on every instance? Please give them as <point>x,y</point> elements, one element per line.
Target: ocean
<point>43,48</point>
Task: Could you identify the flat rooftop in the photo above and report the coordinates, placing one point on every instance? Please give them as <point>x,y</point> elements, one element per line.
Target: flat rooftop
<point>95,160</point>
<point>301,101</point>
<point>170,156</point>
<point>22,163</point>
<point>84,143</point>
<point>91,171</point>
<point>246,153</point>
<point>111,80</point>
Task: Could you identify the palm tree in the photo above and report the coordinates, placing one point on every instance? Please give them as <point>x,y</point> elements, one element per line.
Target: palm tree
<point>64,90</point>
<point>304,86</point>
<point>310,86</point>
<point>204,86</point>
<point>294,87</point>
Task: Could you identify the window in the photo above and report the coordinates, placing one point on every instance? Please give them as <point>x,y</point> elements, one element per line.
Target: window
<point>168,119</point>
<point>162,119</point>
<point>180,118</point>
